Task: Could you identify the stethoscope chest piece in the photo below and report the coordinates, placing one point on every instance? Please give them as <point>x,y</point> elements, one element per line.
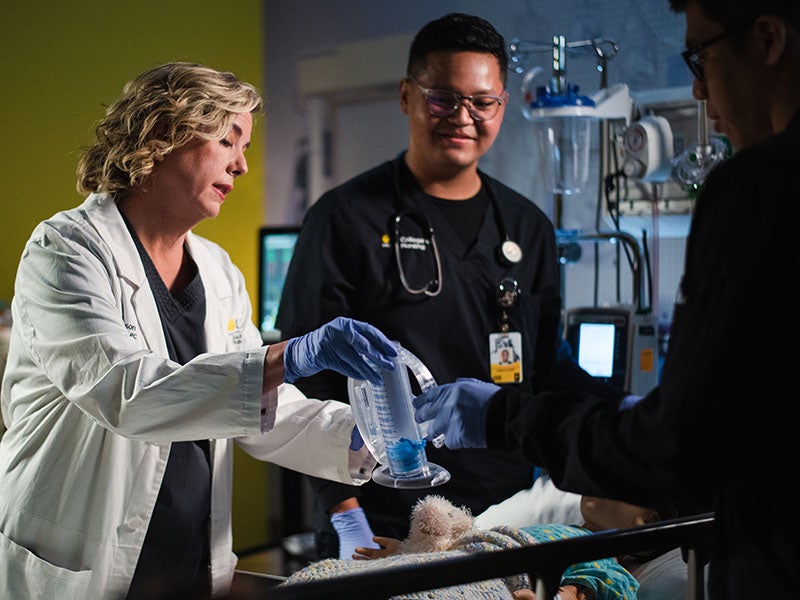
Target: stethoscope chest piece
<point>510,252</point>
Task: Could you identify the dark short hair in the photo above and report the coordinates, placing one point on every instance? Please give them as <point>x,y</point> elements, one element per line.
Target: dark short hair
<point>735,13</point>
<point>456,32</point>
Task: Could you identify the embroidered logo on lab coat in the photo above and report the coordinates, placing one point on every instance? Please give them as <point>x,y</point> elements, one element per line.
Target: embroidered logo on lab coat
<point>131,330</point>
<point>235,331</point>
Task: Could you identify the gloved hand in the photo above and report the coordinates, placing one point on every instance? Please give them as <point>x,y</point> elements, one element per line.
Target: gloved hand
<point>356,441</point>
<point>629,401</point>
<point>457,410</point>
<point>352,348</point>
<point>354,532</point>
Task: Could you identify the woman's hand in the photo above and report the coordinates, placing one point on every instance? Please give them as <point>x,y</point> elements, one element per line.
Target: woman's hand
<point>350,347</point>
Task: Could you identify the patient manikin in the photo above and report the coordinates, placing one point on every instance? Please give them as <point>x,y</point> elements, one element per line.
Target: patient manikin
<point>439,529</point>
<point>663,577</point>
<point>437,525</point>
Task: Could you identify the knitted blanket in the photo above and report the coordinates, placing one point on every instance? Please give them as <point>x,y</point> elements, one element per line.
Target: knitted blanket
<point>499,538</point>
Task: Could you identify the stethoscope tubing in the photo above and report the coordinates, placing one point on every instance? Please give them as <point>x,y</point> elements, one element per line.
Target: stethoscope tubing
<point>434,286</point>
<point>509,251</point>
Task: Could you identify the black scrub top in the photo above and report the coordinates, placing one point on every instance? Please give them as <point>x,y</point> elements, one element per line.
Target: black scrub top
<point>175,556</point>
<point>344,264</point>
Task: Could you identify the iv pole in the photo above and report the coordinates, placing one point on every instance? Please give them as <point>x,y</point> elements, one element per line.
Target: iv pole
<point>568,241</point>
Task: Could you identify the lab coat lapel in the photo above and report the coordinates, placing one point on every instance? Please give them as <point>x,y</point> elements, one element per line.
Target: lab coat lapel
<point>130,271</point>
<point>217,285</point>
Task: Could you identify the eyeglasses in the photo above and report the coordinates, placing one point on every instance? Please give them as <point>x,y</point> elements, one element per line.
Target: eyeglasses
<point>443,103</point>
<point>692,59</point>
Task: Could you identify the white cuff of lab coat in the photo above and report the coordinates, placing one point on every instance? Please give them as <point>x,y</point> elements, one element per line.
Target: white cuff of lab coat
<point>361,465</point>
<point>269,407</point>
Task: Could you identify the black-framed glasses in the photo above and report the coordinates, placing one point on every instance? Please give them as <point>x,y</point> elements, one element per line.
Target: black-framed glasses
<point>443,103</point>
<point>691,56</point>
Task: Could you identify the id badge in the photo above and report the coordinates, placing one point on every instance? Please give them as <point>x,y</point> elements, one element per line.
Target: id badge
<point>505,357</point>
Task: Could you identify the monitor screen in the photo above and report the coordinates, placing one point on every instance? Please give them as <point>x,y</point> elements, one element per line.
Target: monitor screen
<point>596,348</point>
<point>599,338</point>
<point>275,247</point>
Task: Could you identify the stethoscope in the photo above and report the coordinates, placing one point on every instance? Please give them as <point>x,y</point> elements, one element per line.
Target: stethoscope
<point>509,252</point>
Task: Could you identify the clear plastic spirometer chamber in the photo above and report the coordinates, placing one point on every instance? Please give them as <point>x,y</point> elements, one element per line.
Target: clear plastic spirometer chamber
<point>384,416</point>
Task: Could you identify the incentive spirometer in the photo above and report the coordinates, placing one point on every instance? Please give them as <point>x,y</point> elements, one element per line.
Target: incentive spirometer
<point>384,416</point>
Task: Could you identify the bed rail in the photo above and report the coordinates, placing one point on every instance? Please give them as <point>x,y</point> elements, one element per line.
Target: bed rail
<point>544,563</point>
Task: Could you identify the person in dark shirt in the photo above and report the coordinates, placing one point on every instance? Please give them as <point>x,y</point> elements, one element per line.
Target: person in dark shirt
<point>721,425</point>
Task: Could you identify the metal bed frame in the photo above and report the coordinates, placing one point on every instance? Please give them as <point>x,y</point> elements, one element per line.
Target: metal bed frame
<point>544,563</point>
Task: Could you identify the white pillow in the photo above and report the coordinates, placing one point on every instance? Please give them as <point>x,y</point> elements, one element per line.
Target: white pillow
<point>541,503</point>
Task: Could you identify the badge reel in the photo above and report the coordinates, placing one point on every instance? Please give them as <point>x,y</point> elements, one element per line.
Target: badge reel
<point>384,416</point>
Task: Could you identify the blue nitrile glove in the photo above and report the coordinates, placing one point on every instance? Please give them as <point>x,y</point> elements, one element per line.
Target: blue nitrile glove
<point>352,348</point>
<point>354,532</point>
<point>629,401</point>
<point>356,441</point>
<point>457,410</point>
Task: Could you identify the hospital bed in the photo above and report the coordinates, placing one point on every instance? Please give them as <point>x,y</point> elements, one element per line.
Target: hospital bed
<point>544,563</point>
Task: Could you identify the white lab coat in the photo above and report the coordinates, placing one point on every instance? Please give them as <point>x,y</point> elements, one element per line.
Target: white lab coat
<point>90,399</point>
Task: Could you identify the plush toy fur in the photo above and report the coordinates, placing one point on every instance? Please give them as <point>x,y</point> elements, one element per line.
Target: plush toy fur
<point>436,524</point>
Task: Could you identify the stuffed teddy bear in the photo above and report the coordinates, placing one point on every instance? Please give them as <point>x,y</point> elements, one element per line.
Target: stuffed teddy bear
<point>436,524</point>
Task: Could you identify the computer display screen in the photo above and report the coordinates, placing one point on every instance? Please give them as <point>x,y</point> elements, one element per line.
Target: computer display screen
<point>599,340</point>
<point>276,245</point>
<point>596,348</point>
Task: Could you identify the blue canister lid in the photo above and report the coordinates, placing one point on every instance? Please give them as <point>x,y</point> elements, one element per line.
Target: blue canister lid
<point>572,97</point>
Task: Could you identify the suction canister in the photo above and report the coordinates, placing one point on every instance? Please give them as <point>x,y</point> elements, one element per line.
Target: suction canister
<point>562,124</point>
<point>384,416</point>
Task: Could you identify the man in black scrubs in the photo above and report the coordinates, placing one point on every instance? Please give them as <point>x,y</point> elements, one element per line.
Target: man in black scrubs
<point>442,258</point>
<point>722,424</point>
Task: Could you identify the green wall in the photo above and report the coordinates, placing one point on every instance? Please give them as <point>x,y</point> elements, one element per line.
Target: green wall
<point>61,63</point>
